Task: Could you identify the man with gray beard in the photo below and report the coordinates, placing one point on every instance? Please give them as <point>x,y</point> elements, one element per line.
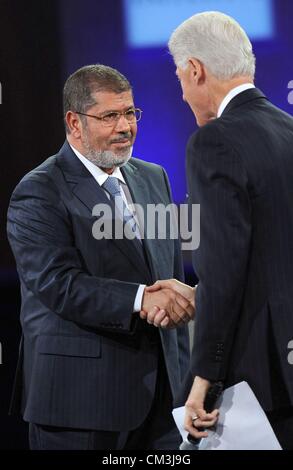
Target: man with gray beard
<point>92,373</point>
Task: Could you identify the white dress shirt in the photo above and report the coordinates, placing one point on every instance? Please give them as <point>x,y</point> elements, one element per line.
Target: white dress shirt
<point>100,177</point>
<point>232,93</point>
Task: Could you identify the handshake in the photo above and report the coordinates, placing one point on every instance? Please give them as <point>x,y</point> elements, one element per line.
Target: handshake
<point>168,303</point>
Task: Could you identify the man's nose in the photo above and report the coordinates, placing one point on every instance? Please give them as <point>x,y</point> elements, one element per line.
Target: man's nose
<point>122,124</point>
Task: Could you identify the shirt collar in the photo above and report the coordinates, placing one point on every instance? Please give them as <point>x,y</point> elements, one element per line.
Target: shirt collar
<point>232,93</point>
<point>99,174</point>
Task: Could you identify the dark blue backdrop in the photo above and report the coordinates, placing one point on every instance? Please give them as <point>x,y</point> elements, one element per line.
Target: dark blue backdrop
<point>98,33</point>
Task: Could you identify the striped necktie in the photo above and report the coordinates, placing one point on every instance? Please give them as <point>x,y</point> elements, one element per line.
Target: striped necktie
<point>112,186</point>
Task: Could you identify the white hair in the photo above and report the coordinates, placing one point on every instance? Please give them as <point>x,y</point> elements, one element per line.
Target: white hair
<point>216,40</point>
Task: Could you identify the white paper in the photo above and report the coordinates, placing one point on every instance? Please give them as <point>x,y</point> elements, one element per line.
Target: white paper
<point>242,424</point>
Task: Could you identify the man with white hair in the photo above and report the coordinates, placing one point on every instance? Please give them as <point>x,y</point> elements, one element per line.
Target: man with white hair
<point>240,171</point>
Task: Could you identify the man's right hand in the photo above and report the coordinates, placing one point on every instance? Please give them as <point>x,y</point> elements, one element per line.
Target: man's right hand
<point>183,289</point>
<point>165,307</point>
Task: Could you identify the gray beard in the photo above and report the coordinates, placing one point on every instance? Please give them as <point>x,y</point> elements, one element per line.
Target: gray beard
<point>107,158</point>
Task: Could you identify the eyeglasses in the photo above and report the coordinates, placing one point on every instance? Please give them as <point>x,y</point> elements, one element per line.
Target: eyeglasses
<point>110,119</point>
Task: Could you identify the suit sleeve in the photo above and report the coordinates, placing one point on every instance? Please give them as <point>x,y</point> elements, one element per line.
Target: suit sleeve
<point>178,273</point>
<point>49,264</point>
<point>217,180</point>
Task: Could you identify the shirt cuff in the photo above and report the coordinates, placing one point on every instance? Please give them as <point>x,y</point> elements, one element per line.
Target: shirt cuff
<point>138,298</point>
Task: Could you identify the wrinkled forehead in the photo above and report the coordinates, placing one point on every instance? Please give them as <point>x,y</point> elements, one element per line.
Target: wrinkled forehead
<point>109,100</point>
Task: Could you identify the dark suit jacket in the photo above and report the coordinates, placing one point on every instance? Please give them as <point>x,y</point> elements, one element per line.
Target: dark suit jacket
<point>88,361</point>
<point>240,171</point>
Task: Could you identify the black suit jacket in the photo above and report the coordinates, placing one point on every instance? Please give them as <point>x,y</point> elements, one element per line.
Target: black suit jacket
<point>88,362</point>
<point>240,171</point>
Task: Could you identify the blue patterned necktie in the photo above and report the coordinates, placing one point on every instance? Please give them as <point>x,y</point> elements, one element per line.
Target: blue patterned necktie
<point>112,186</point>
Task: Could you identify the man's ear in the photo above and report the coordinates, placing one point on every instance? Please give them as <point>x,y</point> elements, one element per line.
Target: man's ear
<point>73,123</point>
<point>197,70</point>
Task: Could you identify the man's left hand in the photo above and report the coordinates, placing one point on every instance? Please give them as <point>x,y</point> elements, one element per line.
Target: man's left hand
<point>196,416</point>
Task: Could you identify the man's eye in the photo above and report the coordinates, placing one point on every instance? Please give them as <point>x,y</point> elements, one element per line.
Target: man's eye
<point>130,113</point>
<point>110,117</point>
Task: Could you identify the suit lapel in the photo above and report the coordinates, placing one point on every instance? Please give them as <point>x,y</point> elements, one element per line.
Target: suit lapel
<point>88,191</point>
